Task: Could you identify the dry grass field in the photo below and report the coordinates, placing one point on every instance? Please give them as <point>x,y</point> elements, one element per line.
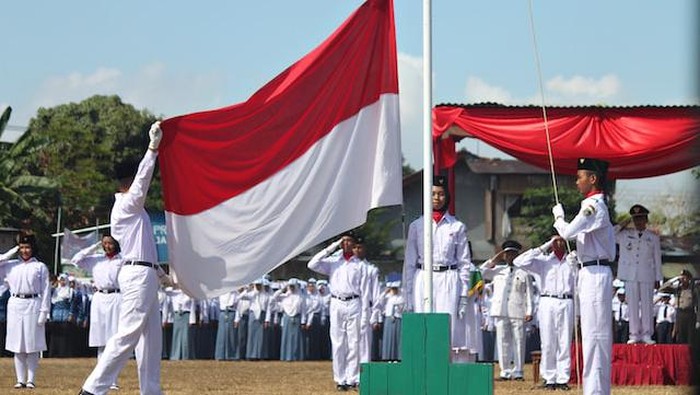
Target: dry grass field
<point>64,377</point>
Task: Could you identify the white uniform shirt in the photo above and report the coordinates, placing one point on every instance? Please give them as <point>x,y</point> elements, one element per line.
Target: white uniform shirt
<point>242,307</point>
<point>450,248</point>
<point>28,278</point>
<point>259,303</point>
<point>314,306</point>
<point>346,278</point>
<point>640,255</point>
<point>556,276</point>
<point>393,305</point>
<point>228,301</point>
<point>512,291</point>
<point>592,228</point>
<point>665,313</point>
<point>104,270</point>
<point>182,303</point>
<point>62,293</point>
<point>292,303</point>
<point>131,225</point>
<point>375,292</point>
<point>620,310</point>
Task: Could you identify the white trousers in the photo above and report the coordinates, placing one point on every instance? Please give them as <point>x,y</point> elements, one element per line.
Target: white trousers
<point>595,294</point>
<point>345,340</point>
<point>639,297</point>
<point>556,319</point>
<point>365,342</point>
<point>26,365</point>
<point>510,343</point>
<point>139,330</point>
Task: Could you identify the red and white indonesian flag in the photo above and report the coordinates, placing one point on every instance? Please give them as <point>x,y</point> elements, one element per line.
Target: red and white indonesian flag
<point>250,186</point>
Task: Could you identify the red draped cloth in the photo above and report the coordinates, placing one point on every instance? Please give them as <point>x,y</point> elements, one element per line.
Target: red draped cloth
<point>637,141</point>
<point>637,364</point>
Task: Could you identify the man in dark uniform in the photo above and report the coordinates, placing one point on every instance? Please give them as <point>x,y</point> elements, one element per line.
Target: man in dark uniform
<point>686,309</point>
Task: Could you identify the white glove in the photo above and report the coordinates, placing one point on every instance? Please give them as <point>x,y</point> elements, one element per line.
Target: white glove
<point>95,247</point>
<point>42,318</point>
<point>155,134</point>
<point>546,246</point>
<point>334,246</point>
<point>558,211</point>
<point>9,253</point>
<point>462,306</point>
<point>164,278</point>
<point>572,259</point>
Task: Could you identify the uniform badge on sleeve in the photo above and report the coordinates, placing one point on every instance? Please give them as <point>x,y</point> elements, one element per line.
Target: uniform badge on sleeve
<point>588,211</point>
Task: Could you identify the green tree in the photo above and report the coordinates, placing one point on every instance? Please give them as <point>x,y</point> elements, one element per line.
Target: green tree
<point>22,194</point>
<point>536,211</point>
<point>76,146</point>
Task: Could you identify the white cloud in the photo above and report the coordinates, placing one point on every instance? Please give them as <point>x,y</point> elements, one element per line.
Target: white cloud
<point>580,86</point>
<point>576,90</point>
<point>478,91</point>
<point>154,86</point>
<point>411,103</point>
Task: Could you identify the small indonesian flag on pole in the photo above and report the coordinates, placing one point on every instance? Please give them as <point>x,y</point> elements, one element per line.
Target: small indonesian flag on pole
<point>250,186</point>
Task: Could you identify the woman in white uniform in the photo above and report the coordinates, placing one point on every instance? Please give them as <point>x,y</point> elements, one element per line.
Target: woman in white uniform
<point>104,309</point>
<point>451,266</point>
<point>27,309</point>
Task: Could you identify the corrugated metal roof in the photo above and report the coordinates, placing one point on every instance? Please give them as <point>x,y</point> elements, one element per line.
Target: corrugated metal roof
<point>502,166</point>
<point>493,104</point>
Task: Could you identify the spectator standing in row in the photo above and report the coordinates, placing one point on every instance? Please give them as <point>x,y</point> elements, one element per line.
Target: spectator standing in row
<point>555,312</point>
<point>620,311</point>
<point>106,301</point>
<point>27,308</point>
<point>349,283</point>
<point>393,309</point>
<point>665,317</point>
<point>227,334</point>
<point>639,266</point>
<point>511,306</point>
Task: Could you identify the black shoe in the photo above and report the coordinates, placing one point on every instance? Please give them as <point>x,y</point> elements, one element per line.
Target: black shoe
<point>339,387</point>
<point>519,379</point>
<point>550,387</point>
<point>563,387</point>
<point>503,378</point>
<point>83,392</point>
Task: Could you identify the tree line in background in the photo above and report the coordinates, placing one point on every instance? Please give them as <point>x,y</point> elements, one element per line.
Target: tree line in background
<point>67,155</point>
<point>66,158</point>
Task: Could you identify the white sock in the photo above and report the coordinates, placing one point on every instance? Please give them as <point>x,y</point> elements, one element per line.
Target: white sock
<point>32,365</point>
<point>21,367</point>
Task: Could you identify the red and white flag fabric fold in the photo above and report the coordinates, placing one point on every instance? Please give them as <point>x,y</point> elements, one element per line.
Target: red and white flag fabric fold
<point>250,186</point>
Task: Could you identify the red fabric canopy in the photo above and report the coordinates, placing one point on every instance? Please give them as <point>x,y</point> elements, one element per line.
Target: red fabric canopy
<point>637,141</point>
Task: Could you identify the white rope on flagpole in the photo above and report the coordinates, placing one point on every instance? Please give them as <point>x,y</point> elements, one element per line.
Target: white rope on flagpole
<point>554,178</point>
<point>427,158</point>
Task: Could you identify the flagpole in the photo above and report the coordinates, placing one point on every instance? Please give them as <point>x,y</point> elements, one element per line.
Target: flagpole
<point>427,157</point>
<point>56,258</point>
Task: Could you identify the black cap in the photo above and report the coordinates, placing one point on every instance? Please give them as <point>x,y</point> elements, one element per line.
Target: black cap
<point>359,239</point>
<point>440,181</point>
<point>596,165</point>
<point>351,234</point>
<point>26,239</point>
<point>126,169</point>
<point>511,245</point>
<point>639,211</point>
<point>686,273</point>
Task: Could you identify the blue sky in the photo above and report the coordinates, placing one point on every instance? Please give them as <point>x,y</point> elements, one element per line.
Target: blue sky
<point>181,56</point>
